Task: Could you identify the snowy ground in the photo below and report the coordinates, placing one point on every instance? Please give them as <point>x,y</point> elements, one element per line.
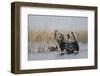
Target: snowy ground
<point>83,53</point>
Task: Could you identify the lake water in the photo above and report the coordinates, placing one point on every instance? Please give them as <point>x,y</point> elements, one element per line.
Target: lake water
<point>83,53</point>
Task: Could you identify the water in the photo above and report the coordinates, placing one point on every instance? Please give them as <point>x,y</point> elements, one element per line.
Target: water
<point>83,53</point>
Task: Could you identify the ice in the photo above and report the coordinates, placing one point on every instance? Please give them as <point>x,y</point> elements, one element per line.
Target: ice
<point>83,53</point>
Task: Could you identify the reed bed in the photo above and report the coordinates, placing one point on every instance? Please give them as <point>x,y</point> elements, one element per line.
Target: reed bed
<point>49,37</point>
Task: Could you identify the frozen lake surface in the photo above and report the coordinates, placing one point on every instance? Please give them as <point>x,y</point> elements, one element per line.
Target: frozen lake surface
<point>83,53</point>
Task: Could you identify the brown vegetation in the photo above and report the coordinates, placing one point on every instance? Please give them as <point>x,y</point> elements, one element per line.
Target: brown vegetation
<point>49,38</point>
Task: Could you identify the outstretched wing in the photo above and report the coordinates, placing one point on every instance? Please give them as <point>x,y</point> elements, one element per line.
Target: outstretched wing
<point>74,36</point>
